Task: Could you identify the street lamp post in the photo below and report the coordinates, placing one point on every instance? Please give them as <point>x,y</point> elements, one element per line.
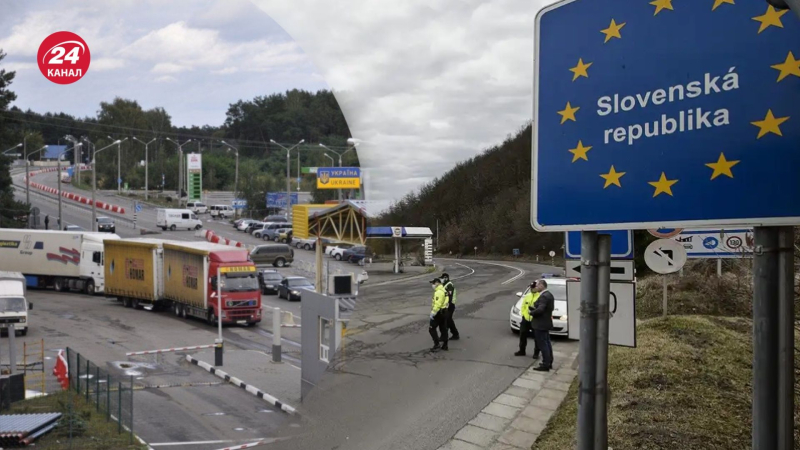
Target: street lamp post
<point>76,155</point>
<point>119,164</point>
<point>25,151</point>
<point>58,159</point>
<point>146,144</point>
<point>288,176</point>
<point>94,181</point>
<point>236,173</point>
<point>180,168</point>
<point>89,148</point>
<point>12,148</point>
<point>28,176</point>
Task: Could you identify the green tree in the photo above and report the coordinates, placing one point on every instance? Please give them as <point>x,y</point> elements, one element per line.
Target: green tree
<point>9,208</point>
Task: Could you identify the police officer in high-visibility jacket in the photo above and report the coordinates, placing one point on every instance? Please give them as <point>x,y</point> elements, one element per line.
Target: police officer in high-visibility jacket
<point>525,325</point>
<point>450,290</point>
<point>438,318</point>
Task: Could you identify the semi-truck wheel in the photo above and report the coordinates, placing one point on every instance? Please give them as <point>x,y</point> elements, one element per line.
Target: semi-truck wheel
<point>212,318</point>
<point>184,311</point>
<point>126,302</point>
<point>24,332</point>
<point>173,227</point>
<point>280,262</point>
<point>135,303</point>
<point>89,288</point>
<point>177,309</point>
<point>59,284</point>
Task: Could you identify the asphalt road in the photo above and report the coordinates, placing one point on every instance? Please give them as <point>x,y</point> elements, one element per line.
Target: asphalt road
<point>386,390</point>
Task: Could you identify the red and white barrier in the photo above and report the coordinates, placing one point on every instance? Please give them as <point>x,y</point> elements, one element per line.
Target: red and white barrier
<point>167,350</point>
<point>73,196</point>
<point>210,236</point>
<point>61,370</point>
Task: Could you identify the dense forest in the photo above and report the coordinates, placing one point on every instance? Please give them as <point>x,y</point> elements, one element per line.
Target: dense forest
<point>249,126</point>
<point>9,208</point>
<point>483,202</point>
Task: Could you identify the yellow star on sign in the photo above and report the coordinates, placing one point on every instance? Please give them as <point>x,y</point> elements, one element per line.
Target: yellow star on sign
<point>613,31</point>
<point>771,17</point>
<point>770,124</point>
<point>719,2</point>
<point>612,177</point>
<point>580,69</point>
<point>568,113</point>
<point>663,185</point>
<point>789,67</point>
<point>661,4</point>
<point>580,152</point>
<point>722,167</point>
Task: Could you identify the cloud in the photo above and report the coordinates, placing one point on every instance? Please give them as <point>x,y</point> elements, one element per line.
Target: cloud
<point>166,79</point>
<point>107,64</point>
<point>424,83</point>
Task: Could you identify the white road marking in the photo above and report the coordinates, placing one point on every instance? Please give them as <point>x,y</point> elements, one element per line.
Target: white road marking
<point>173,444</point>
<point>464,276</point>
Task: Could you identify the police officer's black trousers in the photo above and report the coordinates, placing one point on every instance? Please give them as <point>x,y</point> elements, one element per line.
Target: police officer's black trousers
<point>451,325</point>
<point>438,325</point>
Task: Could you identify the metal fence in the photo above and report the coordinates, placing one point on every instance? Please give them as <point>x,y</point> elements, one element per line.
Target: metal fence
<point>111,394</point>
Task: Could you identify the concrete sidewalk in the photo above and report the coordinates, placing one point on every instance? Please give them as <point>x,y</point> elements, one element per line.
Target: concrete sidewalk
<point>280,380</point>
<point>515,418</point>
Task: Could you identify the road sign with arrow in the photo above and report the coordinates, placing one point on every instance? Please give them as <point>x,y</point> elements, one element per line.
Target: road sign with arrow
<point>621,270</point>
<point>665,256</point>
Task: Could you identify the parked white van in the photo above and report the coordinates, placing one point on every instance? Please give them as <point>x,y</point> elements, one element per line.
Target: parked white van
<point>175,219</point>
<point>13,305</point>
<point>197,207</point>
<point>221,211</point>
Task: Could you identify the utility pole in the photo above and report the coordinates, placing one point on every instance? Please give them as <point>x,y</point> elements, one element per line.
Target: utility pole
<point>58,161</point>
<point>288,176</point>
<point>180,168</point>
<point>146,177</point>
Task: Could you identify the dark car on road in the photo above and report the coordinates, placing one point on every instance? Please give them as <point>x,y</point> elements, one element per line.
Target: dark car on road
<point>291,288</point>
<point>355,254</point>
<point>269,280</point>
<point>105,224</point>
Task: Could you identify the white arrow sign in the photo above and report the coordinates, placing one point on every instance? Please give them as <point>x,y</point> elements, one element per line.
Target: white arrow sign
<point>665,256</point>
<point>621,306</point>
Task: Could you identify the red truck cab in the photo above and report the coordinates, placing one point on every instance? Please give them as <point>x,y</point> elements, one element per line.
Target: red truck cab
<point>241,294</point>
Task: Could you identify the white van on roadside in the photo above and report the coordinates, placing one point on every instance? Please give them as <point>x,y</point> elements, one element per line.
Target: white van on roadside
<point>197,207</point>
<point>13,305</point>
<point>221,211</point>
<point>177,219</point>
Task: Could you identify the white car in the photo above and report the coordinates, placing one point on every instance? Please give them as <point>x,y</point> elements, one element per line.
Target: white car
<point>221,211</point>
<point>197,207</point>
<point>337,252</point>
<point>557,287</point>
<point>244,224</point>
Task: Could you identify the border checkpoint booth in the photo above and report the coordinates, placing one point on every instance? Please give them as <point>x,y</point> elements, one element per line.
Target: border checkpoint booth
<point>398,234</point>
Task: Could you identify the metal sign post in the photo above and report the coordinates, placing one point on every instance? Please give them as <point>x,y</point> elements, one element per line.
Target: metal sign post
<point>218,349</point>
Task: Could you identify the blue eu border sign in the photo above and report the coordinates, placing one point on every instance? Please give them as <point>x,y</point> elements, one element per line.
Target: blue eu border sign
<point>652,114</point>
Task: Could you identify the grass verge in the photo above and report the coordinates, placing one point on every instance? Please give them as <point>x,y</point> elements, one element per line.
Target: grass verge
<point>686,386</point>
<point>90,429</point>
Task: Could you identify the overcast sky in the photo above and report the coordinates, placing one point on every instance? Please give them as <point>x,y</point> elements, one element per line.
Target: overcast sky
<point>423,83</point>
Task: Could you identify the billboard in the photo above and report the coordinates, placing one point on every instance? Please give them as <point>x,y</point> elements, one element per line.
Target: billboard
<point>717,243</point>
<point>338,178</point>
<point>194,162</point>
<point>194,177</point>
<point>278,199</point>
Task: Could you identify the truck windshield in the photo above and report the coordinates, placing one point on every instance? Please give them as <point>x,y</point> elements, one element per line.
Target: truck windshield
<point>240,283</point>
<point>12,304</point>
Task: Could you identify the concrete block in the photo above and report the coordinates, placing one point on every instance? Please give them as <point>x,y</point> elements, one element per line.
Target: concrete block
<point>529,425</point>
<point>552,393</point>
<point>477,436</point>
<point>510,400</point>
<point>496,409</point>
<point>551,384</point>
<point>563,378</point>
<point>537,412</point>
<point>456,444</point>
<point>527,384</point>
<point>546,403</point>
<point>518,438</point>
<point>517,391</point>
<point>490,422</point>
<point>535,376</point>
<point>502,446</point>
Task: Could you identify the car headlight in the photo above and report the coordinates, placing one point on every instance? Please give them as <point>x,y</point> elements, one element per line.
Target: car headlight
<point>296,292</point>
<point>228,304</point>
<point>23,320</point>
<point>515,310</point>
<point>564,317</point>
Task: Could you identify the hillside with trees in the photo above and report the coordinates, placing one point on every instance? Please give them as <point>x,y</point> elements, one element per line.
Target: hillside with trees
<point>483,202</point>
<point>249,126</point>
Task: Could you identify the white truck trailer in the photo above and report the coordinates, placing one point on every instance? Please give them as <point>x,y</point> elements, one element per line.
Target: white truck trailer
<point>60,259</point>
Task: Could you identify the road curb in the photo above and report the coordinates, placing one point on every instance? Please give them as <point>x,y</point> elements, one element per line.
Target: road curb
<point>247,387</point>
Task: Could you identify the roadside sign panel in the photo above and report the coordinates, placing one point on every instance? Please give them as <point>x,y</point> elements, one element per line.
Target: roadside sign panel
<point>278,199</point>
<point>665,114</point>
<point>239,204</point>
<point>622,305</point>
<point>665,256</point>
<point>338,177</point>
<point>717,243</point>
<point>621,270</point>
<point>621,244</point>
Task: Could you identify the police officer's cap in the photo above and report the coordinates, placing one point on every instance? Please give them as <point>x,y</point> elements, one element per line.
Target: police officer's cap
<point>436,280</point>
<point>445,275</point>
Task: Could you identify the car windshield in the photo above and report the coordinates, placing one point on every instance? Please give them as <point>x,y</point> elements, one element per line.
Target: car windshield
<point>298,282</point>
<point>12,304</point>
<point>240,283</point>
<point>104,220</point>
<point>273,277</point>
